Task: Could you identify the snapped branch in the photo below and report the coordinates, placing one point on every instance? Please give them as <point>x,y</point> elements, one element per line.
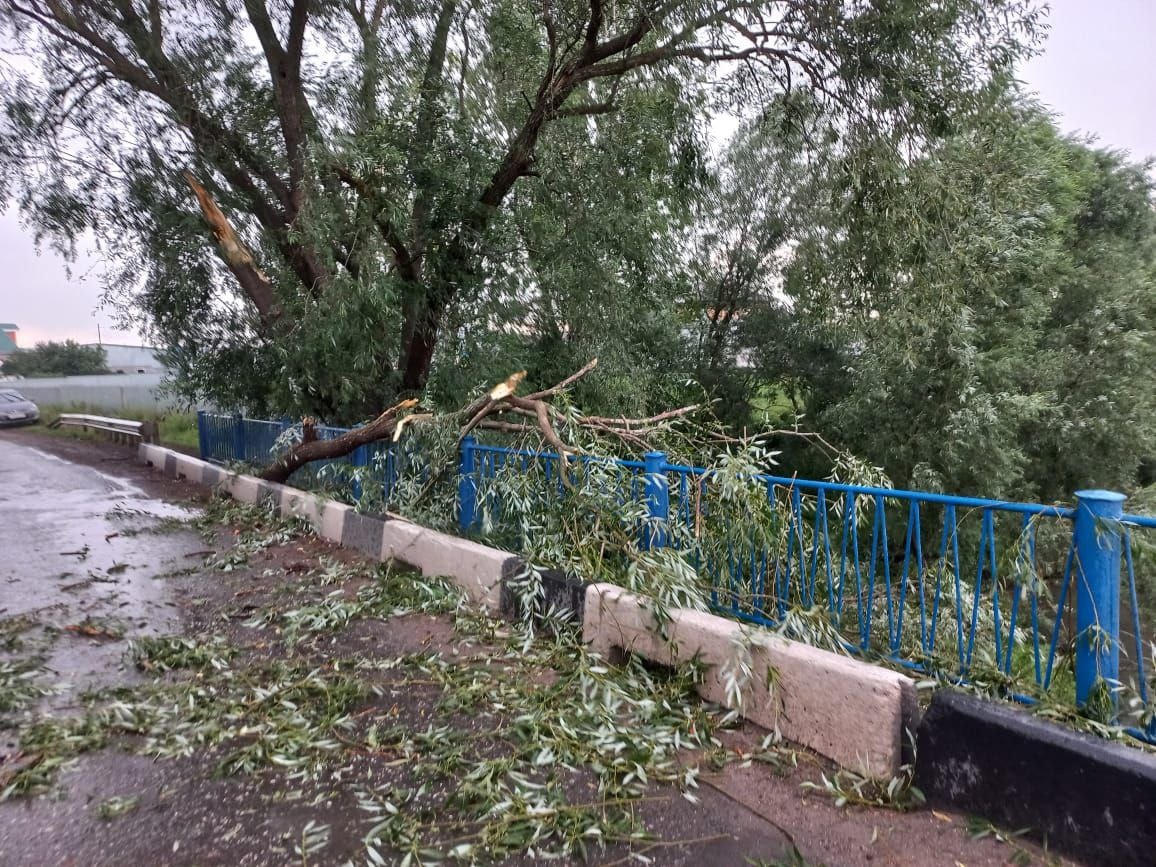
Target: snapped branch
<point>236,255</point>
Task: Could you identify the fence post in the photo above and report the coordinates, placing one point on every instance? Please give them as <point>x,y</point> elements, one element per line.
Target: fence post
<point>467,486</point>
<point>238,437</point>
<point>657,492</point>
<point>202,436</point>
<point>1096,571</point>
<point>359,458</point>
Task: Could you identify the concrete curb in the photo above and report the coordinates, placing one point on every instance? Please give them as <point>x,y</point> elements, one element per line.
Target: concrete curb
<point>852,712</point>
<point>559,592</point>
<point>1085,796</point>
<point>477,569</point>
<point>849,711</point>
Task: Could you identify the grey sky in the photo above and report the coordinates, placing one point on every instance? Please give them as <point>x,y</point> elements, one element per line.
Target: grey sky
<point>1098,71</point>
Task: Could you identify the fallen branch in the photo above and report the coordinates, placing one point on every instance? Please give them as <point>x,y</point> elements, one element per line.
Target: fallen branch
<point>534,413</point>
<point>312,449</point>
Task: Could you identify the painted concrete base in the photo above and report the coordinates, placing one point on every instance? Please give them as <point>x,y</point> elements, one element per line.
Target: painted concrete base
<point>1080,794</point>
<point>849,711</point>
<point>477,569</point>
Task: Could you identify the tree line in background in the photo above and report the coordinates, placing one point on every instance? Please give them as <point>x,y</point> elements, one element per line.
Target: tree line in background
<point>324,206</point>
<point>67,358</point>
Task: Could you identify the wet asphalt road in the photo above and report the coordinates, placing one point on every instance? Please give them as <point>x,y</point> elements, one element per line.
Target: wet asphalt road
<point>80,547</point>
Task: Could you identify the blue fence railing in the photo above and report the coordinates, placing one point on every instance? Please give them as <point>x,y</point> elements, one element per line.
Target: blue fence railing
<point>237,439</point>
<point>955,586</point>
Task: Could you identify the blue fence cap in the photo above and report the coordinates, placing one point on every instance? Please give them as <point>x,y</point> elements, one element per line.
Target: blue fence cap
<point>1102,496</point>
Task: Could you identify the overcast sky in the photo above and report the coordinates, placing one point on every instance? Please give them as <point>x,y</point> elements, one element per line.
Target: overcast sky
<point>1098,71</point>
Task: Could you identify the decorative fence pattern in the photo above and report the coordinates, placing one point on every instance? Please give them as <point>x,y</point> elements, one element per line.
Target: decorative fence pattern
<point>947,585</point>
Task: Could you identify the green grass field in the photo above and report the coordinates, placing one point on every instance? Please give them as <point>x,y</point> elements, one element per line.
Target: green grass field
<point>174,428</point>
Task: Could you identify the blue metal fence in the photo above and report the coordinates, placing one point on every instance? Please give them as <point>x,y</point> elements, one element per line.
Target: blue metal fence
<point>949,585</point>
<point>237,439</point>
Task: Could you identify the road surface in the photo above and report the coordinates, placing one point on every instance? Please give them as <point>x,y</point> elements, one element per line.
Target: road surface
<point>79,552</point>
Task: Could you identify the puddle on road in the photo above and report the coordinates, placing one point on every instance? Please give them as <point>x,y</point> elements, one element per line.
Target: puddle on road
<point>86,555</point>
<point>121,493</point>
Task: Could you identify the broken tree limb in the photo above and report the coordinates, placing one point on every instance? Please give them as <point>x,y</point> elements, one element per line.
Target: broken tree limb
<point>309,450</point>
<point>500,409</point>
<point>477,410</point>
<point>566,383</point>
<point>233,252</point>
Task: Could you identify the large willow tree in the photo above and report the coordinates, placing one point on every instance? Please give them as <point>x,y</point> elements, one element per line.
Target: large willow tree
<point>315,203</point>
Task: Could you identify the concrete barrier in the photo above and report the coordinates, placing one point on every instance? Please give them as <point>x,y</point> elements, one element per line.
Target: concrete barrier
<point>190,468</point>
<point>1080,794</point>
<point>851,712</point>
<point>476,568</point>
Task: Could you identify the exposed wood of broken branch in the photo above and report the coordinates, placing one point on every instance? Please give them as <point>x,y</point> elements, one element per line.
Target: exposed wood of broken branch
<point>486,413</point>
<point>236,256</point>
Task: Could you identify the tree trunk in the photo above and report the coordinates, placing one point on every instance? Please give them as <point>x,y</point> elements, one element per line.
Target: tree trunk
<point>419,353</point>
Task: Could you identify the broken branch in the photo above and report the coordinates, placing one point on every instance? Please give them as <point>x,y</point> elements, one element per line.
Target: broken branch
<point>236,256</point>
<point>313,449</point>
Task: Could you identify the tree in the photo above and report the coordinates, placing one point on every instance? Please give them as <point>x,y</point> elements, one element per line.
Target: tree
<point>742,236</point>
<point>57,359</point>
<point>981,318</point>
<point>369,177</point>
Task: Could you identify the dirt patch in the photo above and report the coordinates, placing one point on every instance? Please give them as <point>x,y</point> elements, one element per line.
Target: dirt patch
<point>352,693</point>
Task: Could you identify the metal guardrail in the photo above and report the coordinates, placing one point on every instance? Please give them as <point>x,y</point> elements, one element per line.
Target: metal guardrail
<point>120,429</point>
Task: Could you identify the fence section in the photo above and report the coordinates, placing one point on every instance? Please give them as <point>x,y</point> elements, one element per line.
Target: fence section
<point>957,587</point>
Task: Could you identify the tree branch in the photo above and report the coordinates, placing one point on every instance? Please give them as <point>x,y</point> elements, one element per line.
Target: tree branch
<point>481,414</point>
<point>307,451</point>
<point>236,255</point>
<point>587,108</point>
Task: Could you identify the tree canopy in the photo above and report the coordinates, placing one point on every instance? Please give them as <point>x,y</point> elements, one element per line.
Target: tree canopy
<point>981,318</point>
<point>321,204</point>
<point>324,206</point>
<point>56,359</point>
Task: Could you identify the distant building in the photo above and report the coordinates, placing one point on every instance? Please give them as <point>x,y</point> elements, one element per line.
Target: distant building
<point>7,340</point>
<point>130,359</point>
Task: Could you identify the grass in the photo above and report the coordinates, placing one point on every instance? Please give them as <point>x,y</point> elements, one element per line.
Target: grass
<point>771,401</point>
<point>173,428</point>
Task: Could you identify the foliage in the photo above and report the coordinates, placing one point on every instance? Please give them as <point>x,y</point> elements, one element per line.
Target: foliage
<point>158,654</point>
<point>980,828</point>
<point>741,245</point>
<point>384,194</point>
<point>978,319</point>
<point>19,687</point>
<point>569,748</point>
<point>116,806</point>
<point>56,359</point>
<point>848,787</point>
